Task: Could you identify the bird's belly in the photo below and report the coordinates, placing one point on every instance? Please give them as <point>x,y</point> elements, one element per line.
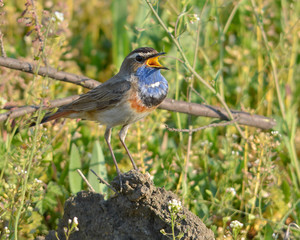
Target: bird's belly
<point>120,114</point>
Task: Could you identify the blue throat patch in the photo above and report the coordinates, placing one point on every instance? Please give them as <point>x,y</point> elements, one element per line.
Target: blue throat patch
<point>152,86</point>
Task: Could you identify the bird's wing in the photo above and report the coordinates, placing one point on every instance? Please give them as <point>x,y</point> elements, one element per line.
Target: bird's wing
<point>104,96</point>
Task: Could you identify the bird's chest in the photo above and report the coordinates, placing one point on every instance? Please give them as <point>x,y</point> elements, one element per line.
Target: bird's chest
<point>152,88</point>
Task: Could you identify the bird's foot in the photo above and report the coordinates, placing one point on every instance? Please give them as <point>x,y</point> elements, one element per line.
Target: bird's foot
<point>120,182</point>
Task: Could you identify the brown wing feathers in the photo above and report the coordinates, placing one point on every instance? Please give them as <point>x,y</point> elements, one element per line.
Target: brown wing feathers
<point>102,97</point>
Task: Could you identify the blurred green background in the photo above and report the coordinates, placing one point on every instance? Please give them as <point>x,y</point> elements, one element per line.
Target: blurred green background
<point>218,175</point>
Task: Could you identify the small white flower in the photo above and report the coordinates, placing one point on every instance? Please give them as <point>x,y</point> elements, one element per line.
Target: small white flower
<point>23,172</point>
<point>238,89</point>
<point>275,235</point>
<point>75,220</point>
<point>38,181</point>
<point>234,136</point>
<point>76,229</point>
<point>6,230</point>
<point>174,205</point>
<point>196,17</point>
<point>59,16</point>
<point>275,133</point>
<point>236,224</point>
<point>231,190</point>
<point>69,221</point>
<point>150,176</point>
<point>235,153</point>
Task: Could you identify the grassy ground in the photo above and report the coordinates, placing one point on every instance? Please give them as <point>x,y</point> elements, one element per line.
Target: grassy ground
<point>246,51</point>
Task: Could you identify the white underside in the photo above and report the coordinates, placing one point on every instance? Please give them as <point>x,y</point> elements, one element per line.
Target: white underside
<point>120,114</point>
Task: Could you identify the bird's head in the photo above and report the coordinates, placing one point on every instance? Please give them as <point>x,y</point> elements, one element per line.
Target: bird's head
<point>141,57</point>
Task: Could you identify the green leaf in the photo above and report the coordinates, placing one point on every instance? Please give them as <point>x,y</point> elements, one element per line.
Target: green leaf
<point>54,188</point>
<point>285,186</point>
<point>97,164</point>
<point>75,163</point>
<point>268,232</point>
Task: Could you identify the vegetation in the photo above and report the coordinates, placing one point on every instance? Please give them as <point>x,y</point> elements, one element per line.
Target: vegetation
<point>247,52</point>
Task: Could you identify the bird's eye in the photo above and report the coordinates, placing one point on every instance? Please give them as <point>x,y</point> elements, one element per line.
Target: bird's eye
<point>139,58</point>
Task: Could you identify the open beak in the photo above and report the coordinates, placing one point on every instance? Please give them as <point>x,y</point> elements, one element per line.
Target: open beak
<point>153,61</point>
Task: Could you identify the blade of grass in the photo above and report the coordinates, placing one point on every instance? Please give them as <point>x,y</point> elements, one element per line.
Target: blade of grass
<point>97,164</point>
<point>28,164</point>
<point>75,163</point>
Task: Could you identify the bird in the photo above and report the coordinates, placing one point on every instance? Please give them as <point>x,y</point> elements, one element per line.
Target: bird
<point>129,96</point>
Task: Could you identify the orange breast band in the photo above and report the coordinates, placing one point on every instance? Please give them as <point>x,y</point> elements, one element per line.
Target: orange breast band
<point>137,105</point>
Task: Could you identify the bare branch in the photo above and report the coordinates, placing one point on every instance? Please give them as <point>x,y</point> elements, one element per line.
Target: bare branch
<point>222,124</point>
<point>195,109</point>
<point>50,72</point>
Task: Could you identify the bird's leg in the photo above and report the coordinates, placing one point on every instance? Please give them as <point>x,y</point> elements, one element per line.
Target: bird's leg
<point>122,135</point>
<point>107,136</point>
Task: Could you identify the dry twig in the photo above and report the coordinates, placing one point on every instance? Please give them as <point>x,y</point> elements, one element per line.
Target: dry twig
<point>3,53</point>
<point>86,181</point>
<point>103,181</point>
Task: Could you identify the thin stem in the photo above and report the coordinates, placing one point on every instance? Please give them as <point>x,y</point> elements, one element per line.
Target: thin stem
<point>2,50</point>
<point>291,142</point>
<point>173,225</point>
<point>221,38</point>
<point>273,65</point>
<point>33,150</point>
<point>191,87</point>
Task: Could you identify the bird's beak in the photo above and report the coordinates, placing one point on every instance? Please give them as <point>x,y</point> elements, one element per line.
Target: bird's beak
<point>153,61</point>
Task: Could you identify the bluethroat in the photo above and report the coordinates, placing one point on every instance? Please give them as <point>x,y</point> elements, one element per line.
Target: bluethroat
<point>135,91</point>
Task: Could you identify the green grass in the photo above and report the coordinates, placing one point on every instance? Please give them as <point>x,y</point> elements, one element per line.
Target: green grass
<point>233,54</point>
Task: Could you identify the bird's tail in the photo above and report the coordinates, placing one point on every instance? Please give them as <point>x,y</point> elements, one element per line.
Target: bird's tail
<point>52,116</point>
<point>48,117</point>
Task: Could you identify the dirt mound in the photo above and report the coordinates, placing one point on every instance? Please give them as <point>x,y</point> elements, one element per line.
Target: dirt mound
<point>139,212</point>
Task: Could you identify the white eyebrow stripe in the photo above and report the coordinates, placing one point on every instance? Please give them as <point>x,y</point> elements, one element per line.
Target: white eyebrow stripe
<point>141,54</point>
<point>133,55</point>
